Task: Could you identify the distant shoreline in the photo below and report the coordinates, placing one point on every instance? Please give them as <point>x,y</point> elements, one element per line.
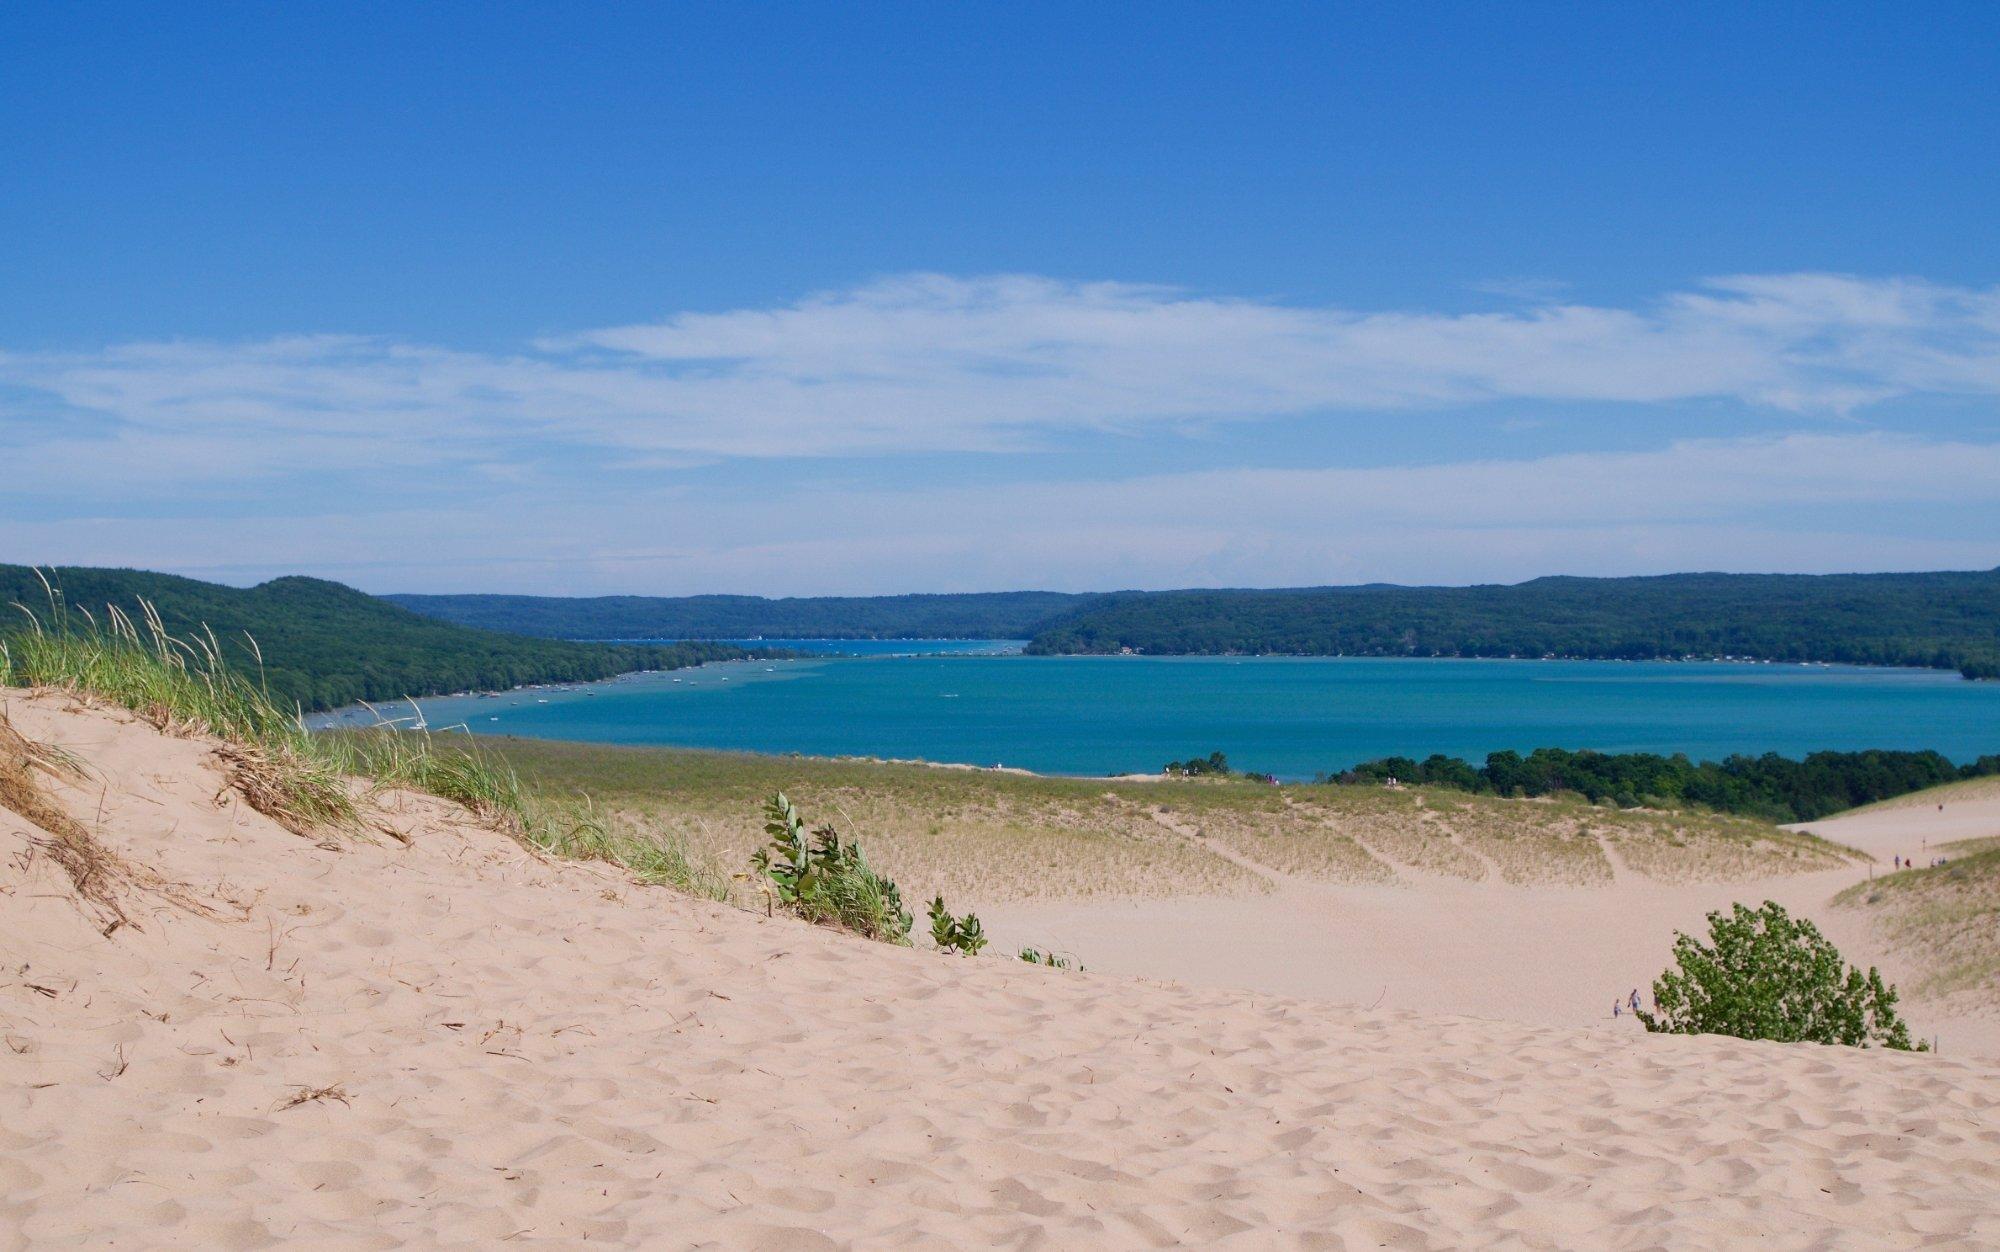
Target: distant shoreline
<point>1300,719</point>
<point>338,718</point>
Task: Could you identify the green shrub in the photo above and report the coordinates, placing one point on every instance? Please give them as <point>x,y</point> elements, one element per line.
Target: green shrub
<point>1765,976</point>
<point>1035,956</point>
<point>955,934</point>
<point>824,880</point>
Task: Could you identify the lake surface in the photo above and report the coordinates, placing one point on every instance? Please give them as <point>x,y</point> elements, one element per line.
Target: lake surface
<point>1293,717</point>
<point>878,647</point>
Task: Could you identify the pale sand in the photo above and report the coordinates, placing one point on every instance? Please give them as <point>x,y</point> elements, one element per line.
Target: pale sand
<point>1542,955</point>
<point>526,1054</point>
<point>1917,825</point>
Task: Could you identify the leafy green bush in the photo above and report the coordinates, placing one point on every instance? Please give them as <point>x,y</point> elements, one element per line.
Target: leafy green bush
<point>1765,976</point>
<point>955,934</point>
<point>1195,766</point>
<point>824,880</point>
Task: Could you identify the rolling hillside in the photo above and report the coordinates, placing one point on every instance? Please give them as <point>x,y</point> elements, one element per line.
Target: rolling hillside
<point>1938,620</point>
<point>982,615</point>
<point>1948,620</point>
<point>324,645</point>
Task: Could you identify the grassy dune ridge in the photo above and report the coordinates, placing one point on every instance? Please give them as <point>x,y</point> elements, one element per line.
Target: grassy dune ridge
<point>994,836</point>
<point>307,782</point>
<point>1950,914</point>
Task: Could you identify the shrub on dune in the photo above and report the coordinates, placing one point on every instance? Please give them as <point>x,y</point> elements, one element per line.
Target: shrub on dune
<point>955,934</point>
<point>824,879</point>
<point>1765,975</point>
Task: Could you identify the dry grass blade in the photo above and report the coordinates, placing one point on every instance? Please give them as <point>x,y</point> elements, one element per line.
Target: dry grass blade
<point>301,795</point>
<point>313,1095</point>
<point>95,873</point>
<point>57,759</point>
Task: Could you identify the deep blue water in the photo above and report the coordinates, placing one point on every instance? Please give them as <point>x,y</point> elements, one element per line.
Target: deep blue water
<point>1290,716</point>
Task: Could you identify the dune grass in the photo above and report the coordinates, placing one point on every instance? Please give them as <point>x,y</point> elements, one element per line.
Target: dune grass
<point>993,838</point>
<point>185,687</point>
<point>95,874</point>
<point>1948,914</point>
<point>971,835</point>
<point>303,780</point>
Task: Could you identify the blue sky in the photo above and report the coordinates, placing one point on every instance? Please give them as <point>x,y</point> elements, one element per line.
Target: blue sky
<point>817,298</point>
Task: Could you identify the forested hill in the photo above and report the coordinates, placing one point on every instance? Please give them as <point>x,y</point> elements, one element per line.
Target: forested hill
<point>981,615</point>
<point>325,645</point>
<point>1940,620</point>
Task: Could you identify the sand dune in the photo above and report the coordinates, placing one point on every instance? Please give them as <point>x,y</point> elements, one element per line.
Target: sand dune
<point>1460,936</point>
<point>1917,825</point>
<point>454,1043</point>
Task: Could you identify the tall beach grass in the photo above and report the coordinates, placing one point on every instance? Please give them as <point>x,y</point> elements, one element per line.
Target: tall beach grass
<point>301,778</point>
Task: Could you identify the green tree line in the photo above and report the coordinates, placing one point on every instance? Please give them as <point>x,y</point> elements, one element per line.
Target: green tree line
<point>1935,620</point>
<point>1772,787</point>
<point>320,645</point>
<point>978,615</point>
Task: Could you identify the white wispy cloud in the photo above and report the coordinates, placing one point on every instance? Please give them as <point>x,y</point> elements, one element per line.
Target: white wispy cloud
<point>1788,503</point>
<point>934,363</point>
<point>342,448</point>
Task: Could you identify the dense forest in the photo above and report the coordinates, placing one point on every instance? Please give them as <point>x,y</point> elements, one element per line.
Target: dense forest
<point>1773,787</point>
<point>980,615</point>
<point>325,645</point>
<point>1939,620</point>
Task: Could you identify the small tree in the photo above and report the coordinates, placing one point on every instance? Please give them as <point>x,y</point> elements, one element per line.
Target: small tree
<point>1765,976</point>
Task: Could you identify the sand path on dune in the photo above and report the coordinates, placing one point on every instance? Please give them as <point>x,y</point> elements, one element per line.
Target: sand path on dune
<point>455,1044</point>
<point>1916,827</point>
<point>1544,955</point>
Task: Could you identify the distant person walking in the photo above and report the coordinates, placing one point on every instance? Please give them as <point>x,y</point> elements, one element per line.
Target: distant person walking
<point>1635,1001</point>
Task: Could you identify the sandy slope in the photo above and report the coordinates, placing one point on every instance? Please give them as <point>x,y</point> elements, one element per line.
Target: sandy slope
<point>1916,825</point>
<point>519,1053</point>
<point>1544,955</point>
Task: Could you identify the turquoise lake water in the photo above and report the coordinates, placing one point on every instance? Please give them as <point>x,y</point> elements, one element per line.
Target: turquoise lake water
<point>1293,717</point>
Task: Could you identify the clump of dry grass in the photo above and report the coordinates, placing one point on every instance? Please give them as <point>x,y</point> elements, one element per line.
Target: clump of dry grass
<point>313,1095</point>
<point>96,874</point>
